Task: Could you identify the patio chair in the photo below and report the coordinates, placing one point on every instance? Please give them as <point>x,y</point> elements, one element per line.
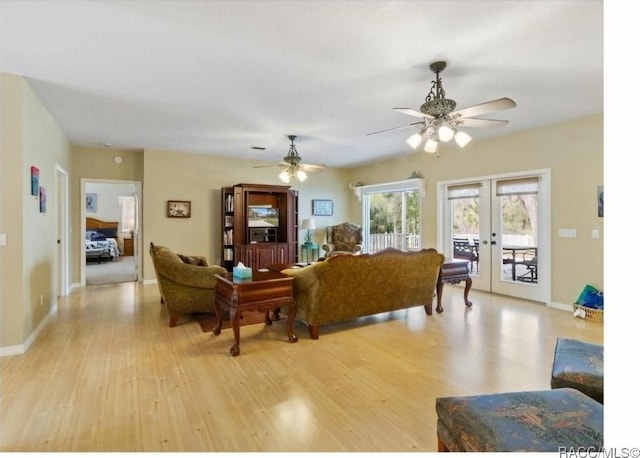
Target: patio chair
<point>464,248</point>
<point>530,261</point>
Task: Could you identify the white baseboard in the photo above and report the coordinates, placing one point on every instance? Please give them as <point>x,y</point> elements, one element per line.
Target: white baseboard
<point>151,281</point>
<point>20,349</point>
<point>561,306</point>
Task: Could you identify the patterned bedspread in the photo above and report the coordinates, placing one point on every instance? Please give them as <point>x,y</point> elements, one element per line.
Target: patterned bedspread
<point>110,244</point>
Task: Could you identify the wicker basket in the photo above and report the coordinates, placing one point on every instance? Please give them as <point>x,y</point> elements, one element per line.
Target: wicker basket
<point>590,313</point>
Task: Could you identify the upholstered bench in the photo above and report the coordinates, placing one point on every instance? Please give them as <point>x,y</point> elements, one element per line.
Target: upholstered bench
<point>528,421</point>
<point>579,365</point>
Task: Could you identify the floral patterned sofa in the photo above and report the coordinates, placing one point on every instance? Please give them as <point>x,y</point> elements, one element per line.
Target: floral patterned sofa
<point>346,287</point>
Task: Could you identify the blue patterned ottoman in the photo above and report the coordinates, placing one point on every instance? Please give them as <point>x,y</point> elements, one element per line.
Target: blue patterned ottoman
<point>579,365</point>
<point>528,421</point>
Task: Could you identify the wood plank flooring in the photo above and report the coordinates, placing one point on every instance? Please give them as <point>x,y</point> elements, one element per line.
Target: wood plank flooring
<point>108,374</point>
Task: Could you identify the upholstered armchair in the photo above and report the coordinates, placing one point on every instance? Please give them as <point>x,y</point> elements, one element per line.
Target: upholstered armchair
<point>187,283</point>
<point>343,238</point>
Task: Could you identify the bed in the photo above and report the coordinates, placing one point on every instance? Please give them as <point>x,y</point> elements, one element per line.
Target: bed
<point>101,240</point>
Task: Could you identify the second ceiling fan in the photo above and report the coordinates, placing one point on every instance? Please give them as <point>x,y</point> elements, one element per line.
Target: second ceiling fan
<point>292,166</point>
<point>440,120</point>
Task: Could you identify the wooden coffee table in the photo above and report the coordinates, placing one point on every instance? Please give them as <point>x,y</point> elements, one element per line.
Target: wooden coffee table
<point>264,292</point>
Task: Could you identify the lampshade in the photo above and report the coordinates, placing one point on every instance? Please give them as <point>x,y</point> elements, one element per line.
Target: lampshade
<point>445,133</point>
<point>462,138</point>
<point>415,140</point>
<point>284,176</point>
<point>308,223</point>
<point>431,146</point>
<point>301,175</point>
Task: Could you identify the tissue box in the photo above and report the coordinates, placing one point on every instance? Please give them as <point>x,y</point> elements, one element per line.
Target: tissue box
<point>241,272</point>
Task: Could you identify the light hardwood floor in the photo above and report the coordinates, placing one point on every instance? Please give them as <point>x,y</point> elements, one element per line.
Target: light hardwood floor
<point>108,374</point>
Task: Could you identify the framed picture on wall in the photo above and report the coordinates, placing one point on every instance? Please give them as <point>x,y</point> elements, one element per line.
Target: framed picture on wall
<point>322,207</point>
<point>179,209</point>
<point>92,203</point>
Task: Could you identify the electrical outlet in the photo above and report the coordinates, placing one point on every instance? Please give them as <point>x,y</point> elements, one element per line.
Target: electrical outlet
<point>595,233</point>
<point>3,239</point>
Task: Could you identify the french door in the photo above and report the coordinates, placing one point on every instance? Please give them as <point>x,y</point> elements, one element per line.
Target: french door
<point>504,222</point>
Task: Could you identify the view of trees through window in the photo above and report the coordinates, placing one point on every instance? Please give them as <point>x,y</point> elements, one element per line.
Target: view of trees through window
<point>519,216</point>
<point>393,223</point>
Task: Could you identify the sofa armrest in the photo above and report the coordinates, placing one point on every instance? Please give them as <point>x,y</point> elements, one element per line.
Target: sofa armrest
<point>328,247</point>
<point>194,276</point>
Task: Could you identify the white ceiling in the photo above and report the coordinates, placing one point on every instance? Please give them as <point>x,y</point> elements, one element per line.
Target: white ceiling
<point>218,77</point>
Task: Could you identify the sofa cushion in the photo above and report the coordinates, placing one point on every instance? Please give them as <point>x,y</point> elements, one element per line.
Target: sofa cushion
<point>579,365</point>
<point>194,260</point>
<point>540,421</point>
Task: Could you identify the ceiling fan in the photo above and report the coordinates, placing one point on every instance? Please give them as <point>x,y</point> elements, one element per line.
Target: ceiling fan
<point>440,120</point>
<point>291,166</point>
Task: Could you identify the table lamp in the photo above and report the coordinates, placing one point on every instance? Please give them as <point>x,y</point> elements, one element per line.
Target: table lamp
<point>308,224</point>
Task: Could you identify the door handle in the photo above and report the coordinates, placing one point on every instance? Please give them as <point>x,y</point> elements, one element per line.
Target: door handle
<point>493,242</point>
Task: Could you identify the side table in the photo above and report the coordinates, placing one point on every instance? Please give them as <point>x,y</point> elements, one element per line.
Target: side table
<point>309,252</point>
<point>263,292</point>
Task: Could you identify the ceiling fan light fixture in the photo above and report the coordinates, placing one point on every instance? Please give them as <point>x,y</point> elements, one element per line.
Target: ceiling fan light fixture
<point>415,140</point>
<point>301,175</point>
<point>284,176</point>
<point>445,133</point>
<point>431,146</point>
<point>462,138</point>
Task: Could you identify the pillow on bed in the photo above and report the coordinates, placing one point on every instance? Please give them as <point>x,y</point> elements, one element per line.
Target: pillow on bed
<point>97,236</point>
<point>110,233</point>
<point>90,234</point>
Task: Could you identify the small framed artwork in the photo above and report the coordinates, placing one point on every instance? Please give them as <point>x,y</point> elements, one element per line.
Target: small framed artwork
<point>92,203</point>
<point>322,207</point>
<point>35,180</point>
<point>179,209</point>
<point>42,191</point>
<point>600,201</point>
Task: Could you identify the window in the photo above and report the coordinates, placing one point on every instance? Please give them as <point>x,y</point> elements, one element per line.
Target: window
<point>391,215</point>
<point>127,213</point>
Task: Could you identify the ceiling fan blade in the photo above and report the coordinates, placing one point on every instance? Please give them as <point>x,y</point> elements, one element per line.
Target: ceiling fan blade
<point>397,128</point>
<point>277,164</point>
<point>474,122</point>
<point>504,103</point>
<point>311,167</point>
<point>412,112</point>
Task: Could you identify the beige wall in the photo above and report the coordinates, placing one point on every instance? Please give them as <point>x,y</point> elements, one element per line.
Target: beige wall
<point>199,178</point>
<point>573,151</point>
<point>30,137</point>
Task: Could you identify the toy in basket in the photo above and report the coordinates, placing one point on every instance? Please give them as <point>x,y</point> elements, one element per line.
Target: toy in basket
<point>590,304</point>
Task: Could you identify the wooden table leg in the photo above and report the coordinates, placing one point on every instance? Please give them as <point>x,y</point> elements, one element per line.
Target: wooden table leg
<point>439,288</point>
<point>467,288</point>
<point>235,324</point>
<point>293,309</point>
<point>218,328</point>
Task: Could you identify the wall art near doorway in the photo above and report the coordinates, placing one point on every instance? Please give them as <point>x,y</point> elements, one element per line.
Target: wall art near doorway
<point>92,203</point>
<point>179,209</point>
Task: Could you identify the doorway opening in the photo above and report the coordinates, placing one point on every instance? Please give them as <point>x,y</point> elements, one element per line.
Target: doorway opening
<point>110,227</point>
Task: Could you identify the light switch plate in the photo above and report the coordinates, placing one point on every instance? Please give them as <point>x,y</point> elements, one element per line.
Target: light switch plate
<point>3,239</point>
<point>595,233</point>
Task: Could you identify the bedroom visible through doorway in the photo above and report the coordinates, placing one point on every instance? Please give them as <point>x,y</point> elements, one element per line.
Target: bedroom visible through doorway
<point>110,251</point>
